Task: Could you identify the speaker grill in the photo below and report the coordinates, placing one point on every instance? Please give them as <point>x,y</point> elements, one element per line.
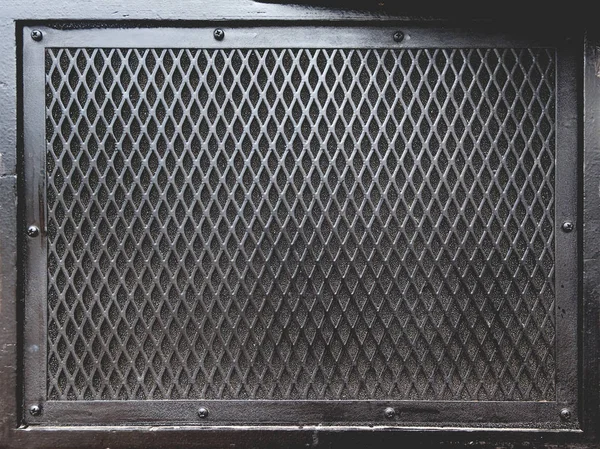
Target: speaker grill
<point>300,224</point>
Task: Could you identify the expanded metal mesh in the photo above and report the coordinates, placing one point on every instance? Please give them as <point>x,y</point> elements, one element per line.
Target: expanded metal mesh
<point>300,224</point>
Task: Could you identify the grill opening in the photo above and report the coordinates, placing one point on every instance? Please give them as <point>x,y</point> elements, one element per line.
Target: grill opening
<point>327,224</point>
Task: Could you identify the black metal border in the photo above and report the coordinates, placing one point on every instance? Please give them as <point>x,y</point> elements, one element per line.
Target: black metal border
<point>508,414</point>
<point>115,13</point>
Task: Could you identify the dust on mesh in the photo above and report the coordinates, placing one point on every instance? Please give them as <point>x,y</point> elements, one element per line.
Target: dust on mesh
<point>300,224</point>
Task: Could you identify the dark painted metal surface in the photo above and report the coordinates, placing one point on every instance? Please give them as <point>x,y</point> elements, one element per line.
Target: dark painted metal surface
<point>251,435</point>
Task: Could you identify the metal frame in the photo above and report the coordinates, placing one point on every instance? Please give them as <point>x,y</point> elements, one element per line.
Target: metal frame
<point>409,413</point>
<point>585,83</point>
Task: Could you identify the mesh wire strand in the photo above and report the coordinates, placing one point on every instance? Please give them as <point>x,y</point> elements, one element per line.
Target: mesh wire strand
<point>300,224</point>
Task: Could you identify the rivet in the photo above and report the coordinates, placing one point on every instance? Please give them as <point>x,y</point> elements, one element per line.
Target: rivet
<point>33,231</point>
<point>37,35</point>
<point>398,36</point>
<point>389,413</point>
<point>219,34</point>
<point>35,410</point>
<point>568,226</point>
<point>565,414</point>
<point>203,412</point>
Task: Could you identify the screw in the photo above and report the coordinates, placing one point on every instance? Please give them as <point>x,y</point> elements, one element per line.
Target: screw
<point>35,410</point>
<point>398,36</point>
<point>33,231</point>
<point>219,34</point>
<point>389,413</point>
<point>37,35</point>
<point>203,412</point>
<point>565,414</point>
<point>568,226</point>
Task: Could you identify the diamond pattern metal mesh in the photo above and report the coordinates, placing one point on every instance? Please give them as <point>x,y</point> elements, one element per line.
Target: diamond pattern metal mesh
<point>300,224</point>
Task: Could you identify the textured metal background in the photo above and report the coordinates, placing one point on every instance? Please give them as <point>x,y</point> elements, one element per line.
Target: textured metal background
<point>301,224</point>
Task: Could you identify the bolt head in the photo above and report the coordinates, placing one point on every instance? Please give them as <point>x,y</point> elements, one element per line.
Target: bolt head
<point>568,226</point>
<point>203,412</point>
<point>37,35</point>
<point>219,34</point>
<point>35,410</point>
<point>565,414</point>
<point>389,413</point>
<point>398,36</point>
<point>33,231</point>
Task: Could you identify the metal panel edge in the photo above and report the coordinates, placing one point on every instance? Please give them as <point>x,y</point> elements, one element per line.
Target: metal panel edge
<point>566,308</point>
<point>302,36</point>
<point>524,415</point>
<point>34,193</point>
